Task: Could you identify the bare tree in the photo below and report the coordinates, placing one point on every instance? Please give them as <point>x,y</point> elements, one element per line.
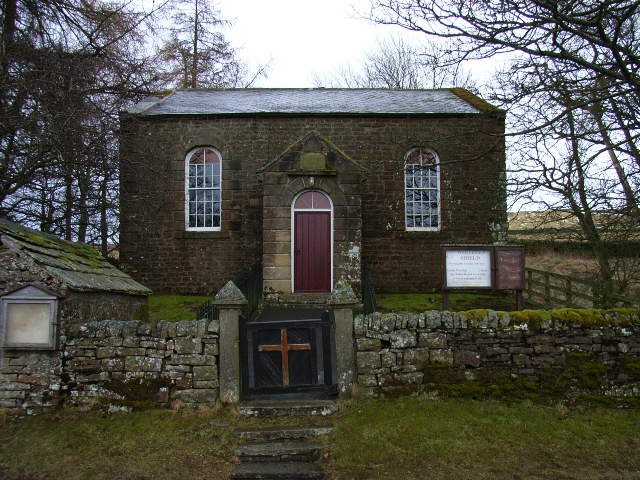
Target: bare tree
<point>197,55</point>
<point>67,68</point>
<point>396,64</point>
<point>572,90</point>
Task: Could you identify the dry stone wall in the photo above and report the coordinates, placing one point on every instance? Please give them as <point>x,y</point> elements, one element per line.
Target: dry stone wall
<point>173,360</point>
<point>487,353</point>
<point>121,363</point>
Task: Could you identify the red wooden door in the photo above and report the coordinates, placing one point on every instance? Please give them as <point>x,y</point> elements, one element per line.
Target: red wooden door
<point>312,252</point>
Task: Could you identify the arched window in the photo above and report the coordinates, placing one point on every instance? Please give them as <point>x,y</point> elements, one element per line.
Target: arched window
<point>422,190</point>
<point>203,174</point>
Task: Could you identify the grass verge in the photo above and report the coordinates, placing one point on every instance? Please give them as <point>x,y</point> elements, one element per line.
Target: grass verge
<point>410,438</point>
<point>458,302</point>
<point>143,445</point>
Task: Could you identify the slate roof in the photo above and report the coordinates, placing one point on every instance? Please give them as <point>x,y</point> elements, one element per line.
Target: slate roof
<point>312,101</point>
<point>79,266</point>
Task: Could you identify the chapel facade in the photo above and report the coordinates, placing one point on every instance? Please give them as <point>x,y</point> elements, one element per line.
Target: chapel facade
<point>313,184</point>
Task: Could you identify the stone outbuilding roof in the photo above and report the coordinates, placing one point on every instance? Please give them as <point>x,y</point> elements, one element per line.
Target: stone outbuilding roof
<point>312,101</point>
<point>77,266</point>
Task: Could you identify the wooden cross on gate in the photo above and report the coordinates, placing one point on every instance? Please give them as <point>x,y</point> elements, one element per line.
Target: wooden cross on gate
<point>284,348</point>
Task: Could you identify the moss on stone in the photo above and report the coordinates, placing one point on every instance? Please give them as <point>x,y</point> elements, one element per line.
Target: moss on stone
<point>631,366</point>
<point>476,314</point>
<point>576,317</point>
<point>137,389</point>
<point>532,318</point>
<point>582,376</point>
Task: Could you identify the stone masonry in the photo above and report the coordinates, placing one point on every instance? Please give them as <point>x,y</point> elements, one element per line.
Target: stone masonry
<point>182,357</point>
<point>405,353</point>
<point>157,251</point>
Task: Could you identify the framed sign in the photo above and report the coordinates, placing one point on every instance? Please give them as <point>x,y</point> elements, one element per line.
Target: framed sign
<point>468,268</point>
<point>509,268</point>
<point>482,267</point>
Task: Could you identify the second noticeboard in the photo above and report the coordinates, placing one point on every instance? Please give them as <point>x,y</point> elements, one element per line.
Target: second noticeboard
<point>483,266</point>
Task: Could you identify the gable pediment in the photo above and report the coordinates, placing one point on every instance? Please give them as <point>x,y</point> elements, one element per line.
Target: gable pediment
<point>313,154</point>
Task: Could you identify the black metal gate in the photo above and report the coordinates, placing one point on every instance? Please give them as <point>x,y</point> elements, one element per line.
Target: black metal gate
<point>288,352</point>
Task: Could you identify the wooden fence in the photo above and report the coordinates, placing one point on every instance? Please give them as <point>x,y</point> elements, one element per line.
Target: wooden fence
<point>547,289</point>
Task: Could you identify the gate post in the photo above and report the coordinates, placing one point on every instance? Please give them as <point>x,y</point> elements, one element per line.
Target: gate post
<point>229,301</point>
<point>342,301</point>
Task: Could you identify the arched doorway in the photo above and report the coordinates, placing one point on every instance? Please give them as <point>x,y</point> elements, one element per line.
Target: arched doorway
<point>312,242</point>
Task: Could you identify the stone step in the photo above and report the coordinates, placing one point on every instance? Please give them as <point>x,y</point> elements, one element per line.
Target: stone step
<point>262,470</point>
<point>289,451</point>
<point>266,434</point>
<point>288,408</point>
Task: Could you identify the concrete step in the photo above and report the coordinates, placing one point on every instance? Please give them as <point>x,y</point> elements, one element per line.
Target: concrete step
<point>270,408</point>
<point>262,470</point>
<point>265,434</point>
<point>288,451</point>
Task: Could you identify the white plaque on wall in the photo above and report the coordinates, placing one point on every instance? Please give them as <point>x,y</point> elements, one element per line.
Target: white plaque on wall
<point>468,268</point>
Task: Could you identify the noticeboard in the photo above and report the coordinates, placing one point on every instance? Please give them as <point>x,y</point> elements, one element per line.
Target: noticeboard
<point>483,266</point>
<point>468,268</point>
<point>509,268</point>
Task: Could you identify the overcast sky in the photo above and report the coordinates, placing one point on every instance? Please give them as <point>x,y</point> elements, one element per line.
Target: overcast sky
<point>301,38</point>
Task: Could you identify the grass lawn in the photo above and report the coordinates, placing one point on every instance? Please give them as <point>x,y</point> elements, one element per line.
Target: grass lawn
<point>419,302</point>
<point>393,439</point>
<point>174,308</point>
<point>457,439</point>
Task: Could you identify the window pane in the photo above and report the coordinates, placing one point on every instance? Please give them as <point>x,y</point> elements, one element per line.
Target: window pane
<point>211,157</point>
<point>216,208</point>
<point>410,222</point>
<point>28,323</point>
<point>215,169</point>
<point>418,221</point>
<point>197,157</point>
<point>216,195</point>
<point>434,221</point>
<point>192,220</point>
<point>216,220</point>
<point>304,201</point>
<point>433,181</point>
<point>320,200</point>
<point>208,176</point>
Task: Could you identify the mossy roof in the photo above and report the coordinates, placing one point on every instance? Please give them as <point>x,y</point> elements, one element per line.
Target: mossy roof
<point>313,101</point>
<point>78,266</point>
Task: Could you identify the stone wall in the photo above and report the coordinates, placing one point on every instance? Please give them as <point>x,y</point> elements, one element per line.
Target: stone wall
<point>31,380</point>
<point>486,353</point>
<point>157,251</point>
<point>120,361</point>
<point>176,360</point>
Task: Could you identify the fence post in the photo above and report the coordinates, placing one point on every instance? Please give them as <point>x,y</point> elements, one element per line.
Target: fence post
<point>595,295</point>
<point>230,301</point>
<point>529,284</point>
<point>547,289</point>
<point>569,293</point>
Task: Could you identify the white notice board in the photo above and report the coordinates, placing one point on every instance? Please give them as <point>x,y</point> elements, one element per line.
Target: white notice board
<point>468,268</point>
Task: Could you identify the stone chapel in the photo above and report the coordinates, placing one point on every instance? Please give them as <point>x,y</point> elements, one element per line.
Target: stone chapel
<point>314,185</point>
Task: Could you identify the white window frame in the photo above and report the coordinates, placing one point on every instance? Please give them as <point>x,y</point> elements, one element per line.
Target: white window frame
<point>186,191</point>
<point>293,232</point>
<point>438,194</point>
<point>29,295</point>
